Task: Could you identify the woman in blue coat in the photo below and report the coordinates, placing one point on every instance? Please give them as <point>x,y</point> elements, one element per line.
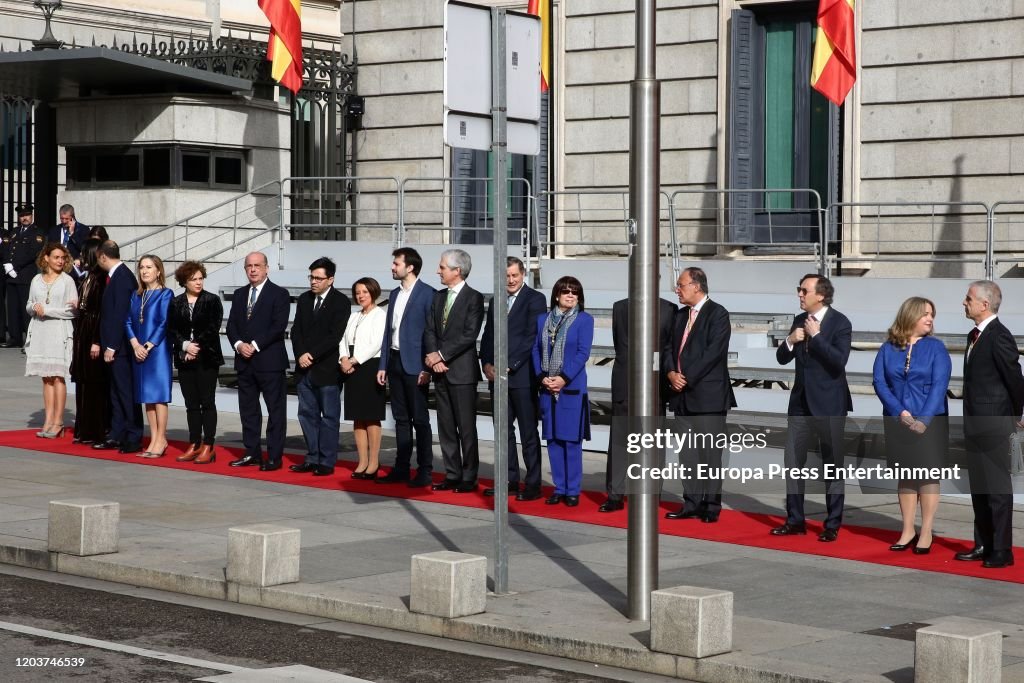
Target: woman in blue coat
<point>146,329</point>
<point>911,375</point>
<point>564,337</point>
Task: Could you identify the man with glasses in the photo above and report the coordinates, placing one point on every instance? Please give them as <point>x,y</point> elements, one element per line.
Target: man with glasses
<point>321,315</point>
<point>696,365</point>
<point>819,342</point>
<point>256,328</point>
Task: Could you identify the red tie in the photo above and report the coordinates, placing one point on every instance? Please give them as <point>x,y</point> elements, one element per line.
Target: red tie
<point>972,337</point>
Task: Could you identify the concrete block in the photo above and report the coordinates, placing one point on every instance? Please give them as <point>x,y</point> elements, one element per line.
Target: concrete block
<point>83,526</point>
<point>691,621</point>
<point>448,584</point>
<point>263,555</point>
<point>956,652</point>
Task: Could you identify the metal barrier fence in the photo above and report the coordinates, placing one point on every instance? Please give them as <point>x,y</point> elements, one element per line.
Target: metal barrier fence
<point>952,237</point>
<point>346,208</point>
<point>1006,234</point>
<point>584,222</point>
<point>460,211</point>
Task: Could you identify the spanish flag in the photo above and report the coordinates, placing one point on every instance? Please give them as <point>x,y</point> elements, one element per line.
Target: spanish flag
<point>285,48</point>
<point>542,9</point>
<point>835,53</point>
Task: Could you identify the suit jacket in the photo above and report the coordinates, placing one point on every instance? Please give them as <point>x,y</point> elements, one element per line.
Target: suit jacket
<point>117,299</point>
<point>705,361</point>
<point>202,327</point>
<point>921,390</point>
<point>22,251</point>
<point>319,333</point>
<point>993,385</point>
<point>410,331</point>
<point>522,333</point>
<point>266,327</point>
<point>456,342</point>
<point>820,367</point>
<point>620,340</point>
<point>75,240</point>
<point>568,418</point>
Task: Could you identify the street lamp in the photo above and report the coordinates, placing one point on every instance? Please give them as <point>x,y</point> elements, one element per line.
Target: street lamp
<point>48,41</point>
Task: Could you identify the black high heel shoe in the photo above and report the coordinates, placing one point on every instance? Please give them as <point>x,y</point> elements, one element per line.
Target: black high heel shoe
<point>922,550</point>
<point>900,547</point>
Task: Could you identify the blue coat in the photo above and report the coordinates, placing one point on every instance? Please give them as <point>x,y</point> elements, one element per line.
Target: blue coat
<point>410,332</point>
<point>922,390</point>
<point>568,418</point>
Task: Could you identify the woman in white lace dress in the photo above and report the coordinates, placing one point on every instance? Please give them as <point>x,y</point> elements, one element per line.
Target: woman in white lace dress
<point>52,300</point>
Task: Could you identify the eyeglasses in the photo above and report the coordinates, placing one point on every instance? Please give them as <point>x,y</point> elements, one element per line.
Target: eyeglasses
<point>685,284</point>
<point>317,278</point>
<point>575,291</point>
<point>805,292</point>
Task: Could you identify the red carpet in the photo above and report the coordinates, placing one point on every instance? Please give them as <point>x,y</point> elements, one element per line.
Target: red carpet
<point>863,544</point>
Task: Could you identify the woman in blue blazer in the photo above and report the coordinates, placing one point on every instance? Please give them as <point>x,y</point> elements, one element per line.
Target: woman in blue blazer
<point>564,337</point>
<point>911,375</point>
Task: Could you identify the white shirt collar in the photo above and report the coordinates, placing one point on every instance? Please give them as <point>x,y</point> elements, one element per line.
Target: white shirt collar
<point>700,304</point>
<point>984,323</point>
<point>820,314</point>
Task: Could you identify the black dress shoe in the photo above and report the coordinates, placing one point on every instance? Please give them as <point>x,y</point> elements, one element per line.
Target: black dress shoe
<point>528,494</point>
<point>304,467</point>
<point>554,499</point>
<point>924,550</point>
<point>828,535</point>
<point>790,530</point>
<point>973,555</point>
<point>446,485</point>
<point>683,513</point>
<point>466,487</point>
<point>323,471</point>
<point>611,505</point>
<point>571,501</point>
<point>245,462</point>
<point>393,477</point>
<point>108,445</point>
<point>270,466</point>
<point>129,448</point>
<point>419,482</point>
<point>709,518</point>
<point>900,547</point>
<point>513,489</point>
<point>998,559</point>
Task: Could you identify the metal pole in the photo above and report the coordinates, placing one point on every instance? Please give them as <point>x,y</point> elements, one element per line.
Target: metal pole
<point>644,195</point>
<point>499,123</point>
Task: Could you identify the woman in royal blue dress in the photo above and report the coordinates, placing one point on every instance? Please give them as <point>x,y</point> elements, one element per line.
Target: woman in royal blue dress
<point>564,337</point>
<point>146,328</point>
<point>911,375</point>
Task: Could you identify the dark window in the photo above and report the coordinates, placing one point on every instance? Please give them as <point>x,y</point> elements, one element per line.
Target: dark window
<point>156,167</point>
<point>227,170</point>
<point>117,168</point>
<point>195,167</point>
<point>151,166</point>
<point>79,167</point>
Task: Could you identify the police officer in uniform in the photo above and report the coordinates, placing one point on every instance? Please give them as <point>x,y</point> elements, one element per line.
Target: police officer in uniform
<point>19,264</point>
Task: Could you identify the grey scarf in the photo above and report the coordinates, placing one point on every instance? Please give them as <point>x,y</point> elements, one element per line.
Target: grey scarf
<point>556,327</point>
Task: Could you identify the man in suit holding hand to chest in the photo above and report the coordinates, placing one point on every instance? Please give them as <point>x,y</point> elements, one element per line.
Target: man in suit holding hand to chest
<point>450,346</point>
<point>696,366</point>
<point>321,315</point>
<point>525,305</point>
<point>993,402</point>
<point>819,341</point>
<point>256,328</point>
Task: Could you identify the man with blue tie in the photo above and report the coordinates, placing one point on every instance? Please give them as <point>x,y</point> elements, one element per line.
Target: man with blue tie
<point>125,412</point>
<point>69,232</point>
<point>256,329</point>
<point>524,307</point>
<point>819,401</point>
<point>401,366</point>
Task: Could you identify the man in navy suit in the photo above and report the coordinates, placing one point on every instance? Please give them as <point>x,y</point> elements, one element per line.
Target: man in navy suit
<point>401,364</point>
<point>69,232</point>
<point>696,365</point>
<point>321,315</point>
<point>449,342</point>
<point>19,261</point>
<point>256,328</point>
<point>819,341</point>
<point>525,305</point>
<point>125,412</point>
<point>993,402</point>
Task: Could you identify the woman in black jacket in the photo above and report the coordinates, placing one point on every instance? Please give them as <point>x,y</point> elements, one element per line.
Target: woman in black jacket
<point>193,326</point>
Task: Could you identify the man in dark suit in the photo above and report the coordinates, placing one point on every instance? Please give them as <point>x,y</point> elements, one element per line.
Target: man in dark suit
<point>69,232</point>
<point>449,343</point>
<point>256,327</point>
<point>618,459</point>
<point>819,341</point>
<point>696,367</point>
<point>401,365</point>
<point>5,241</point>
<point>26,242</point>
<point>525,305</point>
<point>321,315</point>
<point>125,412</point>
<point>993,402</point>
